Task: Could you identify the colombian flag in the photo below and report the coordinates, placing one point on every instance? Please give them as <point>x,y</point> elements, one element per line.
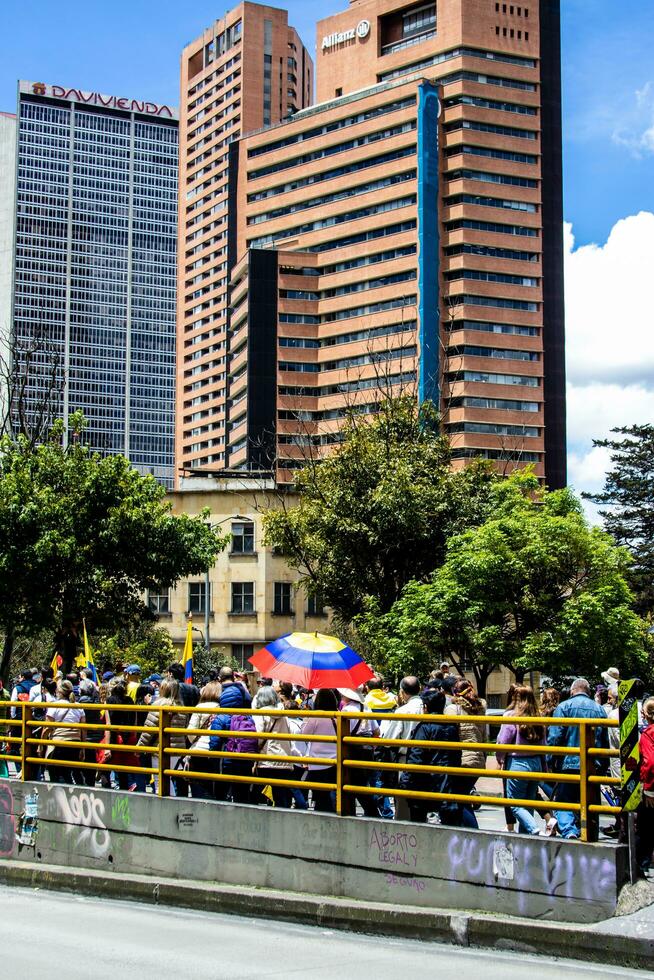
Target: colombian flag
<point>88,656</point>
<point>187,656</point>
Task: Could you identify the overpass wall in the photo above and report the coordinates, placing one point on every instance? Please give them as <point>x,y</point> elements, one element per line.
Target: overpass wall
<point>399,864</point>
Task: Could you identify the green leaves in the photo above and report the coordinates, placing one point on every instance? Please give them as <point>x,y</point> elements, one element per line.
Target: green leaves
<point>628,496</point>
<point>377,513</point>
<point>84,536</point>
<point>532,588</point>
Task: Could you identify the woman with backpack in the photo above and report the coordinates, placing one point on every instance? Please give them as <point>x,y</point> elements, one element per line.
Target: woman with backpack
<point>241,742</point>
<point>518,762</point>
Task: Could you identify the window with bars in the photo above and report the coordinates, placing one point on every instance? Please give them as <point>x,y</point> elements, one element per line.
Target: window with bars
<point>197,597</point>
<point>242,598</point>
<point>241,653</point>
<point>315,606</point>
<point>159,602</point>
<point>243,538</point>
<point>282,604</point>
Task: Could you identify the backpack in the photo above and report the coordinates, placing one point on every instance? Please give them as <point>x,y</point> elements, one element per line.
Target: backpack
<point>242,723</point>
<point>24,689</point>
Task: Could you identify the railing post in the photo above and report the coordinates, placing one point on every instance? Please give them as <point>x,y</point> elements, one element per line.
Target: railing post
<point>163,742</point>
<point>593,793</point>
<point>339,764</point>
<point>25,767</point>
<point>588,821</point>
<point>348,802</point>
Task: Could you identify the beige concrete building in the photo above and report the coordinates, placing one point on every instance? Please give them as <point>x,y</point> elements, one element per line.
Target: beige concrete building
<point>253,594</point>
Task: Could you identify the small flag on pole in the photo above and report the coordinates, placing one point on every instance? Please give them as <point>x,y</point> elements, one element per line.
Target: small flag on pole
<point>56,663</point>
<point>88,656</point>
<point>187,656</point>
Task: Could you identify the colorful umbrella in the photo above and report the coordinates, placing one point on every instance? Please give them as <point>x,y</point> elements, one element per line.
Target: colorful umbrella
<point>313,661</point>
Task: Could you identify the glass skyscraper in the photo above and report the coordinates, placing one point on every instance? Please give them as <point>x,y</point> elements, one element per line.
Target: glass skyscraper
<point>95,266</point>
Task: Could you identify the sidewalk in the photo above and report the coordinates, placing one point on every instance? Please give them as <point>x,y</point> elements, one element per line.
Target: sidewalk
<point>626,941</point>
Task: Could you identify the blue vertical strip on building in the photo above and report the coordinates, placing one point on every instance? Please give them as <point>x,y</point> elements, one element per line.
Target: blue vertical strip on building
<point>428,243</point>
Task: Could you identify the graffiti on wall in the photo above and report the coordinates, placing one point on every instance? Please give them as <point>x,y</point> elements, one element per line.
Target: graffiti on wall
<point>83,813</point>
<point>7,820</point>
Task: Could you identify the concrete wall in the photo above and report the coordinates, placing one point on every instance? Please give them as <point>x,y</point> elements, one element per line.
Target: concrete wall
<point>395,863</point>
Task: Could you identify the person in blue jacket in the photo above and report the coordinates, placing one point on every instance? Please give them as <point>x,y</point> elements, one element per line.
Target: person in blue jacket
<point>580,704</point>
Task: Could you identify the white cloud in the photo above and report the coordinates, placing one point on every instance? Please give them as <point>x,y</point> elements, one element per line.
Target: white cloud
<point>610,342</point>
<point>637,134</point>
<point>610,305</point>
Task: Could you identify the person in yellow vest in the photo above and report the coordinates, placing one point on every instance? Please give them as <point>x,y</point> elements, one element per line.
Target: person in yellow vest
<point>133,675</point>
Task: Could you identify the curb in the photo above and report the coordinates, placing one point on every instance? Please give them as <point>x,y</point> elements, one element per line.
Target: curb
<point>428,925</point>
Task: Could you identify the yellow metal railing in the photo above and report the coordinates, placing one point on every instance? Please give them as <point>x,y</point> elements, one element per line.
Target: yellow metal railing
<point>28,743</point>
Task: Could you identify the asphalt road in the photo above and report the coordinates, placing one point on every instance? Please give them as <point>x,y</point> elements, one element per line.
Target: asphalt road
<point>46,934</point>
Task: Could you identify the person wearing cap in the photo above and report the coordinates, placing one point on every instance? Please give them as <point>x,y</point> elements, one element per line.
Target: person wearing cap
<point>353,701</point>
<point>381,700</point>
<point>611,676</point>
<point>108,676</point>
<point>133,675</point>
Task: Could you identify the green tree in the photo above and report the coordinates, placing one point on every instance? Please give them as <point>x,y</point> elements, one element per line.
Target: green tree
<point>143,643</point>
<point>629,496</point>
<point>377,512</point>
<point>83,537</point>
<point>532,588</point>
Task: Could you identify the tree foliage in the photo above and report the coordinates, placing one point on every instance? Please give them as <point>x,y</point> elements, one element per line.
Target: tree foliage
<point>629,496</point>
<point>143,643</point>
<point>83,537</point>
<point>377,512</point>
<point>532,588</point>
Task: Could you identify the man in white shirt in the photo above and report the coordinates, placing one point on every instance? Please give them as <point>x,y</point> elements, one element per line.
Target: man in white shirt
<point>410,704</point>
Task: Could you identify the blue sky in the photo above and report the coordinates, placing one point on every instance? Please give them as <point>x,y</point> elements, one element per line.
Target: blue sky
<point>132,48</point>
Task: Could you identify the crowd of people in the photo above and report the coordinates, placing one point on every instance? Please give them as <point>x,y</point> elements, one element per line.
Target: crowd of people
<point>294,767</point>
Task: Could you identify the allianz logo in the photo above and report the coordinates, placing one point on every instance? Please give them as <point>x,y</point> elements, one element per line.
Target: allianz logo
<point>362,30</point>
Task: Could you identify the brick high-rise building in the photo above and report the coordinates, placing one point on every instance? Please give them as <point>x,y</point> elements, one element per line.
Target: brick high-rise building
<point>404,233</point>
<point>248,71</point>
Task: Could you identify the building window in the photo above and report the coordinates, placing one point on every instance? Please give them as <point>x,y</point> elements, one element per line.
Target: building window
<point>241,653</point>
<point>197,595</point>
<point>282,606</point>
<point>243,538</point>
<point>315,606</point>
<point>242,598</point>
<point>159,602</point>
